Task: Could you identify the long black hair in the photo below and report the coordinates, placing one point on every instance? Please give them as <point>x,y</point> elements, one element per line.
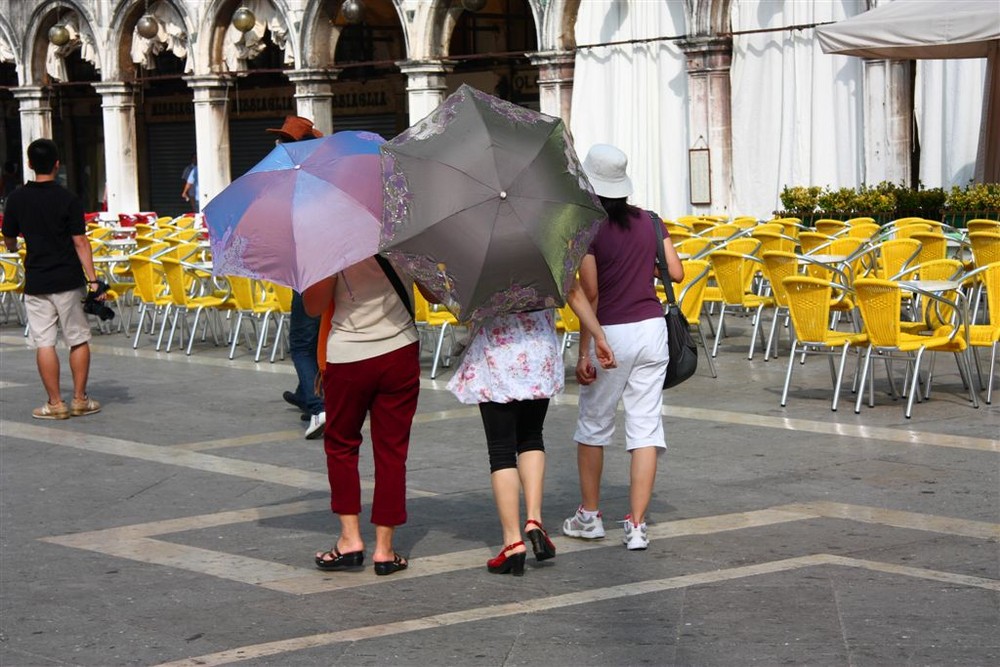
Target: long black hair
<point>619,211</point>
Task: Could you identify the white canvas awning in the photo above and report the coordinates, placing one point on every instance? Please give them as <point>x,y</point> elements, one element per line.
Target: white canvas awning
<point>932,29</point>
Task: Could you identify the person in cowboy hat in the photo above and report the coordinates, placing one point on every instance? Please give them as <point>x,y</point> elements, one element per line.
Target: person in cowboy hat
<point>303,331</point>
<point>296,128</point>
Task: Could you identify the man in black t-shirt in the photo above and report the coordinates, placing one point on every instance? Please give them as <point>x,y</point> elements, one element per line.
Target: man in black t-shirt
<point>58,266</point>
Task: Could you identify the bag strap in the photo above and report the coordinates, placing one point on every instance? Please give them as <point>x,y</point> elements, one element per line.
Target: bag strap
<point>661,258</point>
<point>397,284</point>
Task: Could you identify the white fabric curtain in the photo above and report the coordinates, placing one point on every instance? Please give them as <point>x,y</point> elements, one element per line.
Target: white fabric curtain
<point>238,47</point>
<point>634,96</point>
<point>797,112</point>
<point>171,37</point>
<point>948,104</point>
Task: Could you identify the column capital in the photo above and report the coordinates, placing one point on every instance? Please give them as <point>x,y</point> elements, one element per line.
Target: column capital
<point>552,58</point>
<point>706,44</point>
<point>113,87</point>
<point>707,54</point>
<point>27,93</point>
<point>313,76</point>
<point>430,66</point>
<point>208,81</point>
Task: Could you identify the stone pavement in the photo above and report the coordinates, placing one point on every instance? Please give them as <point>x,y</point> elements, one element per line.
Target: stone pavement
<point>178,527</point>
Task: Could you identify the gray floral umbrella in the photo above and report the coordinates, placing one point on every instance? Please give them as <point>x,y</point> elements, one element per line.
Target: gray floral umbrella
<point>487,206</point>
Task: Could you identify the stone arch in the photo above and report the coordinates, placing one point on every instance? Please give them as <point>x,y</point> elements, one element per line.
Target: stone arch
<point>558,26</point>
<point>120,34</point>
<point>707,18</point>
<point>208,41</point>
<point>36,42</point>
<point>320,34</point>
<point>10,48</point>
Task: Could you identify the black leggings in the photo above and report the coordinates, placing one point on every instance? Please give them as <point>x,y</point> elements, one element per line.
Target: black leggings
<point>511,429</point>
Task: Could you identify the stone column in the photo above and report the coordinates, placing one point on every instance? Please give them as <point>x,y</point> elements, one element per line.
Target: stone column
<point>888,121</point>
<point>36,119</point>
<point>709,113</point>
<point>211,128</point>
<point>120,158</point>
<point>555,82</point>
<point>314,96</point>
<point>426,85</point>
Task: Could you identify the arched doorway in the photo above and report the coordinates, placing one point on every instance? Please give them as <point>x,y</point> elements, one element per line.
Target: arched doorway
<point>489,46</point>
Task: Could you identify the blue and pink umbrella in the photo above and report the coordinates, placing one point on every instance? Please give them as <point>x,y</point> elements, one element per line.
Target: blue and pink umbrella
<point>306,211</point>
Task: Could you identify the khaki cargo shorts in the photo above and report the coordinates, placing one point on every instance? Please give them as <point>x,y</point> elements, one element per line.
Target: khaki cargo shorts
<point>46,311</point>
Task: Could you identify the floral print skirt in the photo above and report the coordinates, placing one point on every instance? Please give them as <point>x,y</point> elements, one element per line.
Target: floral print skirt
<point>511,358</point>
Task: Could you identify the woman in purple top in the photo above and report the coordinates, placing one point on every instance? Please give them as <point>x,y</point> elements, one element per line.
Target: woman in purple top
<point>617,276</point>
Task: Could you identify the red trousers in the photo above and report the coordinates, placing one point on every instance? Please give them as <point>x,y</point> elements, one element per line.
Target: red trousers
<point>387,387</point>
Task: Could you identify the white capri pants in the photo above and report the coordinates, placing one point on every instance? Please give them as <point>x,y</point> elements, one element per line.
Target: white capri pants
<point>641,352</point>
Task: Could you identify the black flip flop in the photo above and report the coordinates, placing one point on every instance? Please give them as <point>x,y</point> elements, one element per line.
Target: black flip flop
<point>339,561</point>
<point>386,567</point>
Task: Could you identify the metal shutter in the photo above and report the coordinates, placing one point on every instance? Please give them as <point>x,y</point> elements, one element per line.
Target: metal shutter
<point>169,150</point>
<point>249,142</point>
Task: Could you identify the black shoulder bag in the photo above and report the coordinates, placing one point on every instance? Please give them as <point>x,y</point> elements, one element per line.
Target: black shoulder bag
<point>680,345</point>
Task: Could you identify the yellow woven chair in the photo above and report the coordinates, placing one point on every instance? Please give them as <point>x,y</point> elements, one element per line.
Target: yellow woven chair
<point>778,265</point>
<point>701,225</point>
<point>987,334</point>
<point>985,247</point>
<point>791,226</point>
<point>860,221</point>
<point>864,230</point>
<point>734,274</point>
<point>888,258</point>
<point>809,241</point>
<point>982,225</point>
<point>908,230</point>
<point>151,293</point>
<point>253,301</point>
<point>694,247</point>
<point>880,302</point>
<point>430,319</point>
<point>770,240</point>
<point>830,227</point>
<point>746,245</point>
<point>933,245</point>
<point>690,295</point>
<point>12,289</point>
<point>283,295</point>
<point>568,324</point>
<point>809,302</point>
<point>721,231</point>
<point>179,278</point>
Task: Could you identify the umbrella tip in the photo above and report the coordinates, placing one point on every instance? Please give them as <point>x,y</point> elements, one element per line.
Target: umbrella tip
<point>503,194</point>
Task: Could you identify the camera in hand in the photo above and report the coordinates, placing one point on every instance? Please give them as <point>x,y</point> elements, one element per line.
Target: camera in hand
<point>92,306</point>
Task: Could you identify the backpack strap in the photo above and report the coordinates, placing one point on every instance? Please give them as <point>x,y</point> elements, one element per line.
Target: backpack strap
<point>397,284</point>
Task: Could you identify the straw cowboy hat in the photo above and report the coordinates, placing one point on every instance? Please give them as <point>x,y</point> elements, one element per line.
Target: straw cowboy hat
<point>296,128</point>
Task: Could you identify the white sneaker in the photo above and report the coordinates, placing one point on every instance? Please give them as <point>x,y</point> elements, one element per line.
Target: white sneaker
<point>316,425</point>
<point>635,535</point>
<point>579,526</point>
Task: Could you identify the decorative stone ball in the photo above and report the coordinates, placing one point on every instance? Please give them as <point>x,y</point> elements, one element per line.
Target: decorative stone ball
<point>59,35</point>
<point>243,19</point>
<point>353,11</point>
<point>147,27</point>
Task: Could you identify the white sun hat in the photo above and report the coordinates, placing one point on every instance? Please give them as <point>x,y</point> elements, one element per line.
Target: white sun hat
<point>605,167</point>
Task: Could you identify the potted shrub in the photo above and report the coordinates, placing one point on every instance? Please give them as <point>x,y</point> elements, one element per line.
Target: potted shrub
<point>878,202</point>
<point>838,204</point>
<point>921,202</point>
<point>978,200</point>
<point>800,202</point>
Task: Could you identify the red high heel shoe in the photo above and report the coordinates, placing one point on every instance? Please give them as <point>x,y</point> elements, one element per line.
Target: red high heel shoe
<point>507,562</point>
<point>540,542</point>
